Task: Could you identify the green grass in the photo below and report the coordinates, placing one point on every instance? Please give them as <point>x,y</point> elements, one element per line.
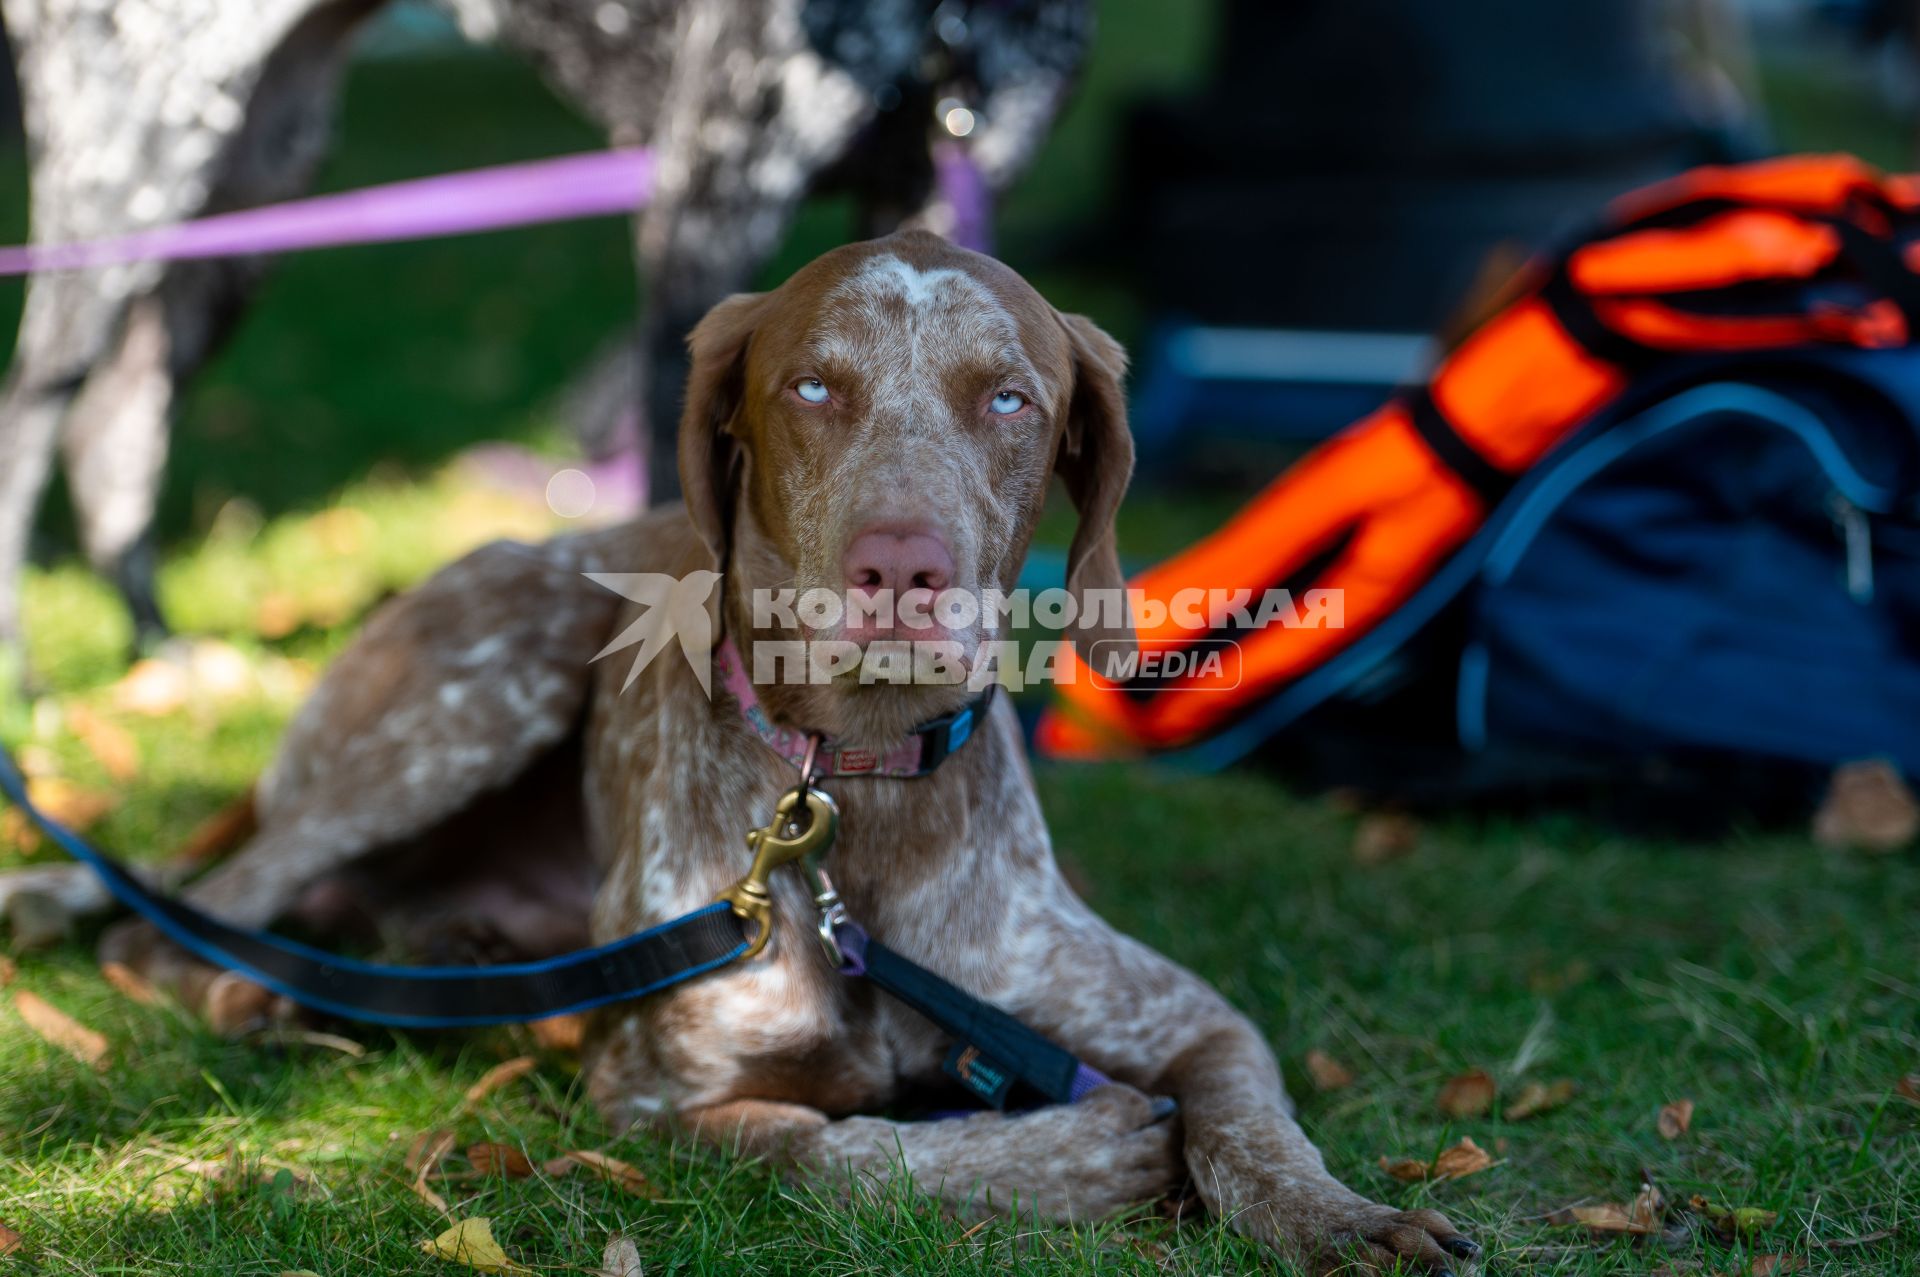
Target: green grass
<point>1770,982</point>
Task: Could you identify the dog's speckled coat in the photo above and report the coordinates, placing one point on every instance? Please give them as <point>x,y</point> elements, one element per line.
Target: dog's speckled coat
<point>456,689</point>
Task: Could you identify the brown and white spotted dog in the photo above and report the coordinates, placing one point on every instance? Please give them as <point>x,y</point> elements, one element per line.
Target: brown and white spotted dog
<point>893,414</point>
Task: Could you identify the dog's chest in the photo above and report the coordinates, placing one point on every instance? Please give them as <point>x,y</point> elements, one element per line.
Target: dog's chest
<point>919,867</point>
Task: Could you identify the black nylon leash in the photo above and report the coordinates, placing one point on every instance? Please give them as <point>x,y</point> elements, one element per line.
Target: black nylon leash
<point>994,1057</point>
<point>409,996</point>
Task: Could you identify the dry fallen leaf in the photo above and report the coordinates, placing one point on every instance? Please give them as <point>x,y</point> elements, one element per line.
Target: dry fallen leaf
<point>1649,1209</point>
<point>1643,1215</point>
<point>499,1159</point>
<point>62,1030</point>
<point>1869,807</point>
<point>1405,1168</point>
<point>110,743</point>
<point>72,805</point>
<point>622,1259</point>
<point>37,760</point>
<point>1775,1265</point>
<point>427,1151</point>
<point>614,1171</point>
<point>152,687</point>
<point>470,1242</point>
<point>7,970</point>
<point>18,833</point>
<point>424,1191</point>
<point>1328,1074</point>
<point>1469,1095</point>
<point>1461,1160</point>
<point>1382,836</point>
<point>560,1032</point>
<point>220,670</point>
<point>424,1155</point>
<point>1609,1217</point>
<point>1907,1088</point>
<point>278,615</point>
<point>498,1076</point>
<point>11,1241</point>
<point>220,833</point>
<point>130,983</point>
<point>1539,1097</point>
<point>1675,1118</point>
<point>282,1036</point>
<point>342,529</point>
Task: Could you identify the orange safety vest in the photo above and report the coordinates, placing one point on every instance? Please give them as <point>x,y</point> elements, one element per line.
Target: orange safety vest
<point>1718,260</point>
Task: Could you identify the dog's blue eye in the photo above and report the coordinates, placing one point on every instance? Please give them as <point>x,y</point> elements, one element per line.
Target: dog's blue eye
<point>1008,402</point>
<point>812,389</point>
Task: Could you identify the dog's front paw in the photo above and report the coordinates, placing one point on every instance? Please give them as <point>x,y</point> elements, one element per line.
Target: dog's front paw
<point>1336,1230</point>
<point>1115,1148</point>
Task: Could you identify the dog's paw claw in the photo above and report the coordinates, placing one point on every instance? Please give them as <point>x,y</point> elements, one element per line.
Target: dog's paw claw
<point>1415,1240</point>
<point>1337,1231</point>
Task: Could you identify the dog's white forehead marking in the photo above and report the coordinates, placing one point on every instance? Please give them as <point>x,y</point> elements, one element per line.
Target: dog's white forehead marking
<point>969,320</point>
<point>917,286</point>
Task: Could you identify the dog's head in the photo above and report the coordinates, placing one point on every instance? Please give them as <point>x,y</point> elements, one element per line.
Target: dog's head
<point>883,428</point>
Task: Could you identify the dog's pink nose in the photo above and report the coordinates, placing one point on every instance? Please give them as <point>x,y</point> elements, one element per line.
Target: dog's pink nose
<point>897,559</point>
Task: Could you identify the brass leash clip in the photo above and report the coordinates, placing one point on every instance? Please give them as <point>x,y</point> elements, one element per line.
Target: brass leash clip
<point>804,822</point>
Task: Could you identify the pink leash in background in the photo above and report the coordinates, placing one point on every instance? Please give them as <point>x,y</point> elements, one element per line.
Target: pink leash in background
<point>598,184</point>
<point>535,192</point>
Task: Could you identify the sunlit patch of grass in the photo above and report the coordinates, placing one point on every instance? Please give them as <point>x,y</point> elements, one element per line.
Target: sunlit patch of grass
<point>274,600</point>
<point>322,570</point>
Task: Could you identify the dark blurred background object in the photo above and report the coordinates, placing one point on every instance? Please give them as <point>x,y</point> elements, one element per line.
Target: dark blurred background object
<point>1351,167</point>
<point>1350,161</point>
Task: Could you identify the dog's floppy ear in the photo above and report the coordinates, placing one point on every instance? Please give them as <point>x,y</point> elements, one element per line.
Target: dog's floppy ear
<point>1095,461</point>
<point>709,452</point>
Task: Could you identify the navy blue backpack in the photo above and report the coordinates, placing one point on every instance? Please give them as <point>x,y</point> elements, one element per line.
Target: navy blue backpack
<point>1664,502</point>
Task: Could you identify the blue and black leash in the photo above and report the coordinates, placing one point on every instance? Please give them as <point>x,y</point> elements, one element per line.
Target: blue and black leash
<point>995,1056</point>
<point>410,996</point>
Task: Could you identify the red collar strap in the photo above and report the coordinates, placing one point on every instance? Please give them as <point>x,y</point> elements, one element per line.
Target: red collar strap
<point>915,754</point>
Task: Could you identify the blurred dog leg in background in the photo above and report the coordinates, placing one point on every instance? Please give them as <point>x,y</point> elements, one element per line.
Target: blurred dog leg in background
<point>163,110</point>
<point>157,113</point>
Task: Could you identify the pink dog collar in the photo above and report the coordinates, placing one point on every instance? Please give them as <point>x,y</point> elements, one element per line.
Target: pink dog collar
<point>917,754</point>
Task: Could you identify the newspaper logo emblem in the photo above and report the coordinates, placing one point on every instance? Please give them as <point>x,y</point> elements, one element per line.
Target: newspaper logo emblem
<point>676,607</point>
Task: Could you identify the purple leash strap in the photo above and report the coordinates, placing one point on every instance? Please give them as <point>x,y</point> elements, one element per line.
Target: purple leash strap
<point>964,187</point>
<point>596,184</point>
<point>566,188</point>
